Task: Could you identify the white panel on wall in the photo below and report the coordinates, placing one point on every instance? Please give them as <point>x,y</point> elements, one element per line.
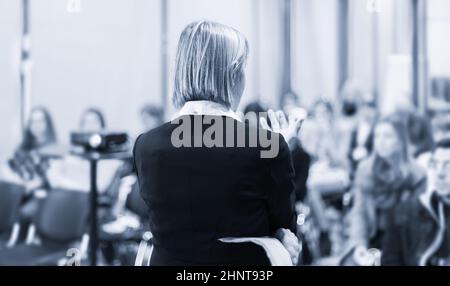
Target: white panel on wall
<point>270,51</point>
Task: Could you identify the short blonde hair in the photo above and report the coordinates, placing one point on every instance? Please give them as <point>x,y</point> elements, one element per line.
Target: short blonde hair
<point>209,58</point>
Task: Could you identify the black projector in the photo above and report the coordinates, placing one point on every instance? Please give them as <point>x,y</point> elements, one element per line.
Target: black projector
<point>105,142</point>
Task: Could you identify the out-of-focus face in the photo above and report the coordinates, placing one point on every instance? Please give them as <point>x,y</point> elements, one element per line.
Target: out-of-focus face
<point>149,121</point>
<point>322,114</point>
<point>386,141</point>
<point>38,125</point>
<point>91,122</point>
<point>439,171</point>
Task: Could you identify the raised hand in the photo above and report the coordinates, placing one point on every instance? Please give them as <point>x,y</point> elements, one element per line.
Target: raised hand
<point>289,128</point>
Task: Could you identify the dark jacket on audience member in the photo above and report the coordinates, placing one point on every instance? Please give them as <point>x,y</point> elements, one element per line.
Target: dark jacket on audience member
<point>416,235</point>
<point>198,195</point>
<point>301,162</point>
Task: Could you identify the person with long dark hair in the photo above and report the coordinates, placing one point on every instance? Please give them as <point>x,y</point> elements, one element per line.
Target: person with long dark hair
<point>31,166</point>
<point>27,162</point>
<point>93,120</point>
<point>386,178</point>
<point>418,231</point>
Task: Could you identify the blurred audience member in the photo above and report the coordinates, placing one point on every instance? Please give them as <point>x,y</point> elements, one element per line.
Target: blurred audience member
<point>361,138</point>
<point>387,177</point>
<point>419,231</point>
<point>30,167</point>
<point>27,162</point>
<point>72,172</point>
<point>329,170</point>
<point>92,120</point>
<point>351,95</point>
<point>440,127</point>
<point>151,117</point>
<point>256,108</point>
<point>328,176</point>
<point>301,161</point>
<point>325,136</point>
<point>300,158</point>
<point>419,133</point>
<point>352,99</point>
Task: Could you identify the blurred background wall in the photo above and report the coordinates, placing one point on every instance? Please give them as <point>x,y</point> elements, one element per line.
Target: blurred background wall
<point>110,54</point>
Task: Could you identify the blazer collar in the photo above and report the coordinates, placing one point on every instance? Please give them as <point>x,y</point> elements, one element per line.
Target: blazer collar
<point>205,107</point>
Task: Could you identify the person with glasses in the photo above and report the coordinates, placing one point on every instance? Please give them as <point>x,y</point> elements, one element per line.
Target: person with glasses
<point>419,231</point>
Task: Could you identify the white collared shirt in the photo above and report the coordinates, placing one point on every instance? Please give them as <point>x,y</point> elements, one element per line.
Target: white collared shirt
<point>206,107</point>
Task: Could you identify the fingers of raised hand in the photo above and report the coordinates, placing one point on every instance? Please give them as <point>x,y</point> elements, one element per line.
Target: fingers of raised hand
<point>274,121</point>
<point>264,123</point>
<point>282,119</point>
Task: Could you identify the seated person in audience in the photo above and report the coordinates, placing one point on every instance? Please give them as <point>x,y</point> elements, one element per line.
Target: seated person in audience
<point>382,181</point>
<point>361,138</point>
<point>325,135</point>
<point>321,138</point>
<point>351,95</point>
<point>440,126</point>
<point>92,120</point>
<point>300,158</point>
<point>72,172</point>
<point>256,109</point>
<point>353,102</point>
<point>29,167</point>
<point>301,161</point>
<point>419,230</point>
<point>328,176</point>
<point>151,117</point>
<point>419,134</point>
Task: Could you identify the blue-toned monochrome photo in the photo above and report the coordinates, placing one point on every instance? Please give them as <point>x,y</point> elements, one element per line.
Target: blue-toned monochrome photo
<point>225,133</point>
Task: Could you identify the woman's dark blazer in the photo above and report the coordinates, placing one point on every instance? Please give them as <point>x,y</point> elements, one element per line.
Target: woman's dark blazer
<point>197,195</point>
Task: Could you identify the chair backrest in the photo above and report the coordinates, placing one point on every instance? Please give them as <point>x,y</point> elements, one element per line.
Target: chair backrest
<point>63,216</point>
<point>136,204</point>
<point>10,197</point>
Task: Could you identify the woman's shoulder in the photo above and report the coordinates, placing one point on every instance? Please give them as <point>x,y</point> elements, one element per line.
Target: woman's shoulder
<point>154,135</point>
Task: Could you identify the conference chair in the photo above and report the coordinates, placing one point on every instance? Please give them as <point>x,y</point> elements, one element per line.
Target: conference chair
<point>59,227</point>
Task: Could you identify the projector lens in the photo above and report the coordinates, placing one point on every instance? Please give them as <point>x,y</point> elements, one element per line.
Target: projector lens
<point>95,140</point>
